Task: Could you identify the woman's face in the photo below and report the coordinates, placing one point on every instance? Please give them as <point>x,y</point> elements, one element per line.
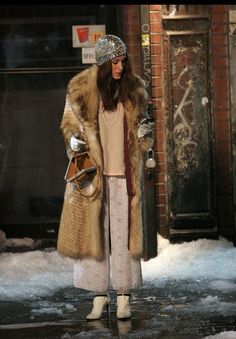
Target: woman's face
<point>118,65</point>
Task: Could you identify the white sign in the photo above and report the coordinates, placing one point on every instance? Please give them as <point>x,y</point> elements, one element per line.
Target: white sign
<point>88,56</point>
<point>87,35</point>
<point>232,16</point>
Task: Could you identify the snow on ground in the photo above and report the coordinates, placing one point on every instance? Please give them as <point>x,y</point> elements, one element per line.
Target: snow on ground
<point>223,335</point>
<point>200,259</point>
<point>38,273</point>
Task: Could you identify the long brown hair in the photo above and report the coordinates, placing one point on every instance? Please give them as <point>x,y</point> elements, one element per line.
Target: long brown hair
<point>112,91</point>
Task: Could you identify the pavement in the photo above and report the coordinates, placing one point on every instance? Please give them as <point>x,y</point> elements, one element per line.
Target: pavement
<point>176,309</point>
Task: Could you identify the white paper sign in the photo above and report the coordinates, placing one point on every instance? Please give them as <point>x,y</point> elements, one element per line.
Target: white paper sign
<point>88,56</point>
<point>232,16</point>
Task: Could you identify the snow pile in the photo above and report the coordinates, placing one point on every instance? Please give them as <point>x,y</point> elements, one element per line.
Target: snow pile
<point>34,273</point>
<point>222,335</point>
<point>38,273</point>
<point>200,259</point>
<point>25,243</point>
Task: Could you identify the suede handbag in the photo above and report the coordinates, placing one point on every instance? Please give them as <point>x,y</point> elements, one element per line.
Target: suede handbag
<point>81,172</point>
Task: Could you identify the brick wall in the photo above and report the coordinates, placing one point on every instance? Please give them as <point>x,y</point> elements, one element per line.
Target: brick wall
<point>158,103</point>
<point>221,118</point>
<point>131,35</point>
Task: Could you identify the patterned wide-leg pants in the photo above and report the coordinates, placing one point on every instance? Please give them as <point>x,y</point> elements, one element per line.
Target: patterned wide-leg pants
<point>118,268</point>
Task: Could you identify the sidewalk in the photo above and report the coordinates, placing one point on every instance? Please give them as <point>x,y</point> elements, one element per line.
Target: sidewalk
<point>177,310</point>
<point>193,295</point>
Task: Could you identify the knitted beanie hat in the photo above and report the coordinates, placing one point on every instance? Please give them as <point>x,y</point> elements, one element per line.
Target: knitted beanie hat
<point>109,47</point>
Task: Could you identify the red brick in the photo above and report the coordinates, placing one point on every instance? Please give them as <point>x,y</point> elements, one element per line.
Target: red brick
<point>158,103</point>
<point>160,189</point>
<point>220,74</point>
<point>222,135</point>
<point>155,38</point>
<point>161,157</point>
<point>222,147</point>
<point>218,8</point>
<point>160,147</point>
<point>219,61</point>
<point>223,158</point>
<point>163,230</point>
<point>160,178</point>
<point>162,219</point>
<point>219,39</point>
<point>132,26</point>
<point>219,28</point>
<point>161,199</point>
<point>161,210</point>
<point>221,83</point>
<point>221,104</point>
<point>223,92</point>
<point>159,115</point>
<point>157,70</point>
<point>219,18</point>
<point>155,7</point>
<point>156,82</point>
<point>220,114</point>
<point>159,125</point>
<point>161,167</point>
<point>155,16</point>
<point>158,90</point>
<point>156,49</point>
<point>221,99</point>
<point>155,27</point>
<point>156,59</point>
<point>222,168</point>
<point>222,125</point>
<point>220,51</point>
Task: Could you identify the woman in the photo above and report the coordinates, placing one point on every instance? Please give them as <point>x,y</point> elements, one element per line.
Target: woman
<point>104,108</point>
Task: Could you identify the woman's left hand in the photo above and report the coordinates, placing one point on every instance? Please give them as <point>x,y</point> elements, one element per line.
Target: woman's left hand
<point>145,128</point>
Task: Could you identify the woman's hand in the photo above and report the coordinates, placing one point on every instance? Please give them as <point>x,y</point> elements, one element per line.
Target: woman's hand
<point>145,127</point>
<point>76,144</point>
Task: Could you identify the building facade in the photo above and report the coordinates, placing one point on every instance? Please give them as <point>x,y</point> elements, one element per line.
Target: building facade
<point>186,54</point>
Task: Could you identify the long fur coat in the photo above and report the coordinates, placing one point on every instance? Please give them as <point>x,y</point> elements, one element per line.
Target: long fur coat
<point>81,117</point>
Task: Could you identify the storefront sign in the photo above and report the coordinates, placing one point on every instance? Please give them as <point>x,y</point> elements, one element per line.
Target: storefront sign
<point>88,55</point>
<point>232,16</point>
<point>87,35</point>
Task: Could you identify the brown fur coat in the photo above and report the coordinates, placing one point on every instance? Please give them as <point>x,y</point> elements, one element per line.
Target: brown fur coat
<point>81,117</point>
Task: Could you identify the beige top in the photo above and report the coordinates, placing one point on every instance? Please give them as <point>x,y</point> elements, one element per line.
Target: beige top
<point>111,126</point>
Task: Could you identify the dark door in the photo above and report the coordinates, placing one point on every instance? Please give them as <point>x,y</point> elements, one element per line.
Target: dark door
<point>188,114</point>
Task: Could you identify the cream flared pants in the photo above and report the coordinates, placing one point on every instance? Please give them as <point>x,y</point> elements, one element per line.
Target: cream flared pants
<point>118,268</point>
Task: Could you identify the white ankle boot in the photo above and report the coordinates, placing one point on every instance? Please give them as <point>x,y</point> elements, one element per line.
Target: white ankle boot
<point>123,307</point>
<point>99,302</point>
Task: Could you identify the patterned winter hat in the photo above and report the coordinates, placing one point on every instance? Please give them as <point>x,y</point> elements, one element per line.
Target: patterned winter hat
<point>109,47</point>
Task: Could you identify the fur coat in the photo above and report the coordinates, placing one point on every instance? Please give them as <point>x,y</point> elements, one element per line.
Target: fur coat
<point>81,117</point>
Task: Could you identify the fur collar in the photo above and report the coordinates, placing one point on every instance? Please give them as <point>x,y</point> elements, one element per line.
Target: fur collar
<point>84,97</point>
